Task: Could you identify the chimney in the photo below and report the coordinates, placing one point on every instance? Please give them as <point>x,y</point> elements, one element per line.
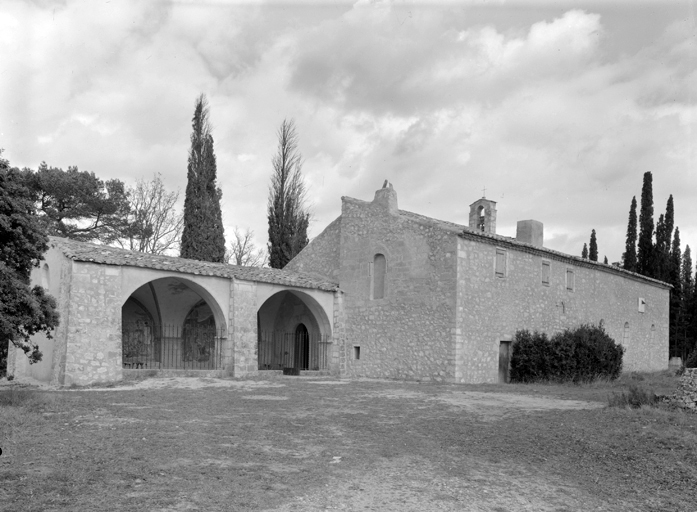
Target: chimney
<point>530,232</point>
<point>386,198</point>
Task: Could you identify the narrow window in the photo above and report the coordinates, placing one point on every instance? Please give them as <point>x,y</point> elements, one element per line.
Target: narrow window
<point>570,281</point>
<point>545,272</point>
<point>379,270</point>
<point>481,219</point>
<point>500,263</point>
<point>625,335</point>
<point>356,353</point>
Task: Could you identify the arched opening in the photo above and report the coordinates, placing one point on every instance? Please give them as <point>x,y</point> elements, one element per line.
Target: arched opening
<point>481,218</point>
<point>293,332</point>
<point>379,271</point>
<point>172,323</point>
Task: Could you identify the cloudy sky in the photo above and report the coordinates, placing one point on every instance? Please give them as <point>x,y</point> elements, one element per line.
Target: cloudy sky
<point>557,108</point>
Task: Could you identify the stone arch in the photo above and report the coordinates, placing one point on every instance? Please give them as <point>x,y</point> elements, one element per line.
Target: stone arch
<point>279,319</point>
<point>379,273</point>
<point>161,328</point>
<point>171,281</point>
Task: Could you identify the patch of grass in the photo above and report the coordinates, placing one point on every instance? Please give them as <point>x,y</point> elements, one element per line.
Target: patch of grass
<point>635,397</point>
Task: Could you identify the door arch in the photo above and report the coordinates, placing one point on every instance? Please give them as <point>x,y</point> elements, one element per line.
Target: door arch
<point>302,347</point>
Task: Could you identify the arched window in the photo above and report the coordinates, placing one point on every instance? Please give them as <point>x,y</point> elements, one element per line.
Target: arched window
<point>481,218</point>
<point>379,270</point>
<point>45,277</point>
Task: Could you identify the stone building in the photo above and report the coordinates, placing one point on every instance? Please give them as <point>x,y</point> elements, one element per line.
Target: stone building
<point>432,300</point>
<point>380,293</point>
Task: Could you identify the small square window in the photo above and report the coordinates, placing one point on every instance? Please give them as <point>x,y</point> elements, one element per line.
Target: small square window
<point>546,267</point>
<point>500,263</point>
<point>570,280</point>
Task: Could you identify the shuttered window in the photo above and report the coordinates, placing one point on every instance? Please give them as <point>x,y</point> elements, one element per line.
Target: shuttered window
<point>545,272</point>
<point>570,281</point>
<point>500,263</point>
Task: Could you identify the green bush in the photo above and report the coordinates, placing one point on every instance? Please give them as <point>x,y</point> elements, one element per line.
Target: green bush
<point>579,355</point>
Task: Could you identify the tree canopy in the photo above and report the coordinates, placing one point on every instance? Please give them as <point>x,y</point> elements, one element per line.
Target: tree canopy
<point>24,311</point>
<point>287,211</point>
<point>76,204</point>
<point>203,236</point>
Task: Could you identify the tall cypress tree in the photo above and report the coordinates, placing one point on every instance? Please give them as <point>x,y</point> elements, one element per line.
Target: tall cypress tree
<point>584,251</point>
<point>630,246</point>
<point>685,324</point>
<point>593,247</point>
<point>203,236</point>
<point>287,214</point>
<point>645,257</point>
<point>662,249</point>
<point>675,295</point>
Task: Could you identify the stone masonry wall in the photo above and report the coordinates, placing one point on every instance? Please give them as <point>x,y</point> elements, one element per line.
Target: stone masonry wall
<point>93,341</point>
<point>243,328</point>
<point>322,256</point>
<point>493,308</point>
<point>408,334</point>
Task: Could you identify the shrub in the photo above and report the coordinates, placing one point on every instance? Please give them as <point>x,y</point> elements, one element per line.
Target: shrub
<point>578,355</point>
<point>691,360</point>
<point>3,358</point>
<point>635,397</point>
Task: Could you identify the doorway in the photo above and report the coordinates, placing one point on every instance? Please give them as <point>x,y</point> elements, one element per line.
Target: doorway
<point>302,347</point>
<point>504,361</point>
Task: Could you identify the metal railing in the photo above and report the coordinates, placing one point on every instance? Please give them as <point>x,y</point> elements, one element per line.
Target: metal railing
<point>171,347</point>
<point>278,350</point>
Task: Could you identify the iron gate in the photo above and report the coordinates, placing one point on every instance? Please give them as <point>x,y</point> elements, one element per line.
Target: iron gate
<point>278,350</point>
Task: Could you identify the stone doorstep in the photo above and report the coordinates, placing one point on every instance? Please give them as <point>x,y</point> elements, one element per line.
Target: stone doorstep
<point>130,374</point>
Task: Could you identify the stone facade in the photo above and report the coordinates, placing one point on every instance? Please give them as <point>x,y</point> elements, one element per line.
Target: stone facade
<point>451,295</point>
<point>391,294</point>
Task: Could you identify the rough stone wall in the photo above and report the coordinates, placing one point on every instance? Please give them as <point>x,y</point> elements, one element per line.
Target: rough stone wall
<point>322,255</point>
<point>686,395</point>
<point>93,348</point>
<point>243,328</point>
<point>408,334</point>
<point>492,308</point>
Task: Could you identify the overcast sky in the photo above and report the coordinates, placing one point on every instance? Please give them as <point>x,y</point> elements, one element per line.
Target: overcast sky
<point>556,108</point>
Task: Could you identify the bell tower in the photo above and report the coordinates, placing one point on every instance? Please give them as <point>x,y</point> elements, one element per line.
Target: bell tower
<point>483,216</point>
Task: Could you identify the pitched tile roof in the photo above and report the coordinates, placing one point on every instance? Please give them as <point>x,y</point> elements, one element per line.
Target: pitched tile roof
<point>104,254</point>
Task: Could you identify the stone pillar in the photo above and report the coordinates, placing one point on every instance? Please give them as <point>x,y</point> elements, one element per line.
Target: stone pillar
<point>338,356</point>
<point>243,320</point>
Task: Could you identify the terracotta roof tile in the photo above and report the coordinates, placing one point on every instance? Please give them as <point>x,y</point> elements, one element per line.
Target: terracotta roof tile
<point>104,254</point>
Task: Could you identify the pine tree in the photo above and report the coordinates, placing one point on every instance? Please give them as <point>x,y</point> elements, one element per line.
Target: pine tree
<point>630,262</point>
<point>605,260</point>
<point>645,257</point>
<point>593,249</point>
<point>203,236</point>
<point>584,251</point>
<point>287,213</point>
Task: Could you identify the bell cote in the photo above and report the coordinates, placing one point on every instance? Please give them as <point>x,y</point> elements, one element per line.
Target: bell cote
<point>483,216</point>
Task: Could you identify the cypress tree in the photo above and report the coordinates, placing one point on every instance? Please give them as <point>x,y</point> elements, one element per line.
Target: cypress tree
<point>605,260</point>
<point>685,325</point>
<point>630,246</point>
<point>593,248</point>
<point>675,304</point>
<point>203,235</point>
<point>664,234</point>
<point>584,251</point>
<point>645,257</point>
<point>287,214</point>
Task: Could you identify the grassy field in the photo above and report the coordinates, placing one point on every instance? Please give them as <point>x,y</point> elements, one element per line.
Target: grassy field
<point>294,444</point>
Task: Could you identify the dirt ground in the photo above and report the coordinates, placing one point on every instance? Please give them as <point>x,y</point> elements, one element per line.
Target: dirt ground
<point>307,444</point>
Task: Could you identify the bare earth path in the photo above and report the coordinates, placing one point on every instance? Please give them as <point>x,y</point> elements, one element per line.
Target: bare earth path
<point>296,444</point>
